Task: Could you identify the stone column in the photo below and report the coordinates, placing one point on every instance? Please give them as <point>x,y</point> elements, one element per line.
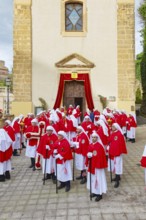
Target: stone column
<point>126,54</point>
<point>22,71</point>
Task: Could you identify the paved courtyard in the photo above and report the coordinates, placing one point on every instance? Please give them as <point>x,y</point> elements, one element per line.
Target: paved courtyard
<point>25,197</point>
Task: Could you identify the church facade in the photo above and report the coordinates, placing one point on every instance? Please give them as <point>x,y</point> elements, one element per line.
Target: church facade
<point>73,52</point>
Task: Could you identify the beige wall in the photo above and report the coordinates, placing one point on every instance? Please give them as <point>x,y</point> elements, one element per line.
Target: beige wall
<point>49,46</point>
<point>22,45</point>
<point>126,55</point>
<point>39,44</point>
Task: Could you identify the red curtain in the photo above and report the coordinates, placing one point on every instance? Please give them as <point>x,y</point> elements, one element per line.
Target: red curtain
<point>81,77</point>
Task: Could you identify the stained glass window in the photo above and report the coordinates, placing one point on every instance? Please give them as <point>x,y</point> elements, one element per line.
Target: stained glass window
<point>74,17</point>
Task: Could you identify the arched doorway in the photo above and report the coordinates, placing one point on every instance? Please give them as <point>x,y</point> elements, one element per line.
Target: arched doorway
<point>74,93</point>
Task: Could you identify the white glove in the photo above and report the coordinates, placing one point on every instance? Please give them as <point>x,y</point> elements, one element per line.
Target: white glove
<point>47,147</point>
<point>89,126</point>
<point>72,144</point>
<point>55,151</point>
<point>108,147</point>
<point>89,154</point>
<point>76,144</point>
<point>58,156</point>
<point>127,122</point>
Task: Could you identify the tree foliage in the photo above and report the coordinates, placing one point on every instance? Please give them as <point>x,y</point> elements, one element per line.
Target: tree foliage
<point>138,66</point>
<point>138,96</point>
<point>142,13</point>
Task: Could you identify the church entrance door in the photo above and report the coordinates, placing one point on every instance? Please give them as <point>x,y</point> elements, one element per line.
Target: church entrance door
<point>74,93</point>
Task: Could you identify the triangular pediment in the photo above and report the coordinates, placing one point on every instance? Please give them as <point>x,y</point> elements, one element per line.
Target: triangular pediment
<point>74,60</point>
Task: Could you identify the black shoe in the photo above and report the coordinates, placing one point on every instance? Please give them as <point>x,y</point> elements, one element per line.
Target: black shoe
<point>115,179</point>
<point>47,177</point>
<point>93,195</point>
<point>7,175</point>
<point>54,178</point>
<point>67,188</point>
<point>116,184</point>
<point>84,180</point>
<point>31,166</point>
<point>98,198</point>
<point>15,154</point>
<point>62,185</point>
<point>2,178</point>
<point>23,146</point>
<point>133,140</point>
<point>79,177</point>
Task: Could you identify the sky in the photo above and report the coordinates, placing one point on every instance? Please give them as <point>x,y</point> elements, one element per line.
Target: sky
<point>6,31</point>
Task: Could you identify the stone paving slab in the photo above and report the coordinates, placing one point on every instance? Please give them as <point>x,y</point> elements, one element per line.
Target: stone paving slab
<point>24,197</point>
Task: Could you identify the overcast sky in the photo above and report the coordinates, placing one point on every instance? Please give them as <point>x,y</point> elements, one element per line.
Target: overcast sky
<point>6,31</point>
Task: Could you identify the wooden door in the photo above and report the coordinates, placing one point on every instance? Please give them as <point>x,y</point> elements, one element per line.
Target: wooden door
<point>74,93</point>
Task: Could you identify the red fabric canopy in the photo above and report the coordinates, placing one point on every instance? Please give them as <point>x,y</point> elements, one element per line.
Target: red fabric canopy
<point>81,77</point>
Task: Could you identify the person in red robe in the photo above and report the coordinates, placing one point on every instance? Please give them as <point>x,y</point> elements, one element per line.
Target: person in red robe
<point>117,147</point>
<point>32,136</point>
<point>97,157</point>
<point>8,128</point>
<point>96,115</point>
<point>27,120</point>
<point>102,131</point>
<point>70,110</point>
<point>5,155</point>
<point>81,143</point>
<point>88,125</point>
<point>22,130</point>
<point>77,114</point>
<point>143,162</point>
<point>63,156</point>
<point>66,125</point>
<point>42,117</point>
<point>123,123</point>
<point>110,119</point>
<point>17,142</point>
<point>54,124</point>
<point>131,127</point>
<point>46,148</point>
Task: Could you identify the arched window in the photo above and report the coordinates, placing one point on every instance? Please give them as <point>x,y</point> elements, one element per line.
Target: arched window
<point>74,16</point>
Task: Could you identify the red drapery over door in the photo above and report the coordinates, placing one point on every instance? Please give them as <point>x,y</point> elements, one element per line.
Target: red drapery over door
<point>87,87</point>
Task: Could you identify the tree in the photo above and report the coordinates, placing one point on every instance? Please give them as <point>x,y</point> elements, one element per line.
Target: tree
<point>138,96</point>
<point>138,66</point>
<point>142,13</point>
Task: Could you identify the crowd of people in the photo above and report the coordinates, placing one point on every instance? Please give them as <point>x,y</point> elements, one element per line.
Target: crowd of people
<point>56,139</point>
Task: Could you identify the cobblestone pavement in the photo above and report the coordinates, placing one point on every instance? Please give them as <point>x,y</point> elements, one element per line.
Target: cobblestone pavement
<point>25,197</point>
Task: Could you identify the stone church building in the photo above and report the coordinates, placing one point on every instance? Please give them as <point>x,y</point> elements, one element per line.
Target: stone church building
<point>72,51</point>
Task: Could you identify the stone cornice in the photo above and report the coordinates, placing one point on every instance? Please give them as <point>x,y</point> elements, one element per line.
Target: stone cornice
<point>63,63</point>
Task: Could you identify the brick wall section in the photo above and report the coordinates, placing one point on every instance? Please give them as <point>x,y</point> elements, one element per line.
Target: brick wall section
<point>22,77</point>
<point>126,49</point>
